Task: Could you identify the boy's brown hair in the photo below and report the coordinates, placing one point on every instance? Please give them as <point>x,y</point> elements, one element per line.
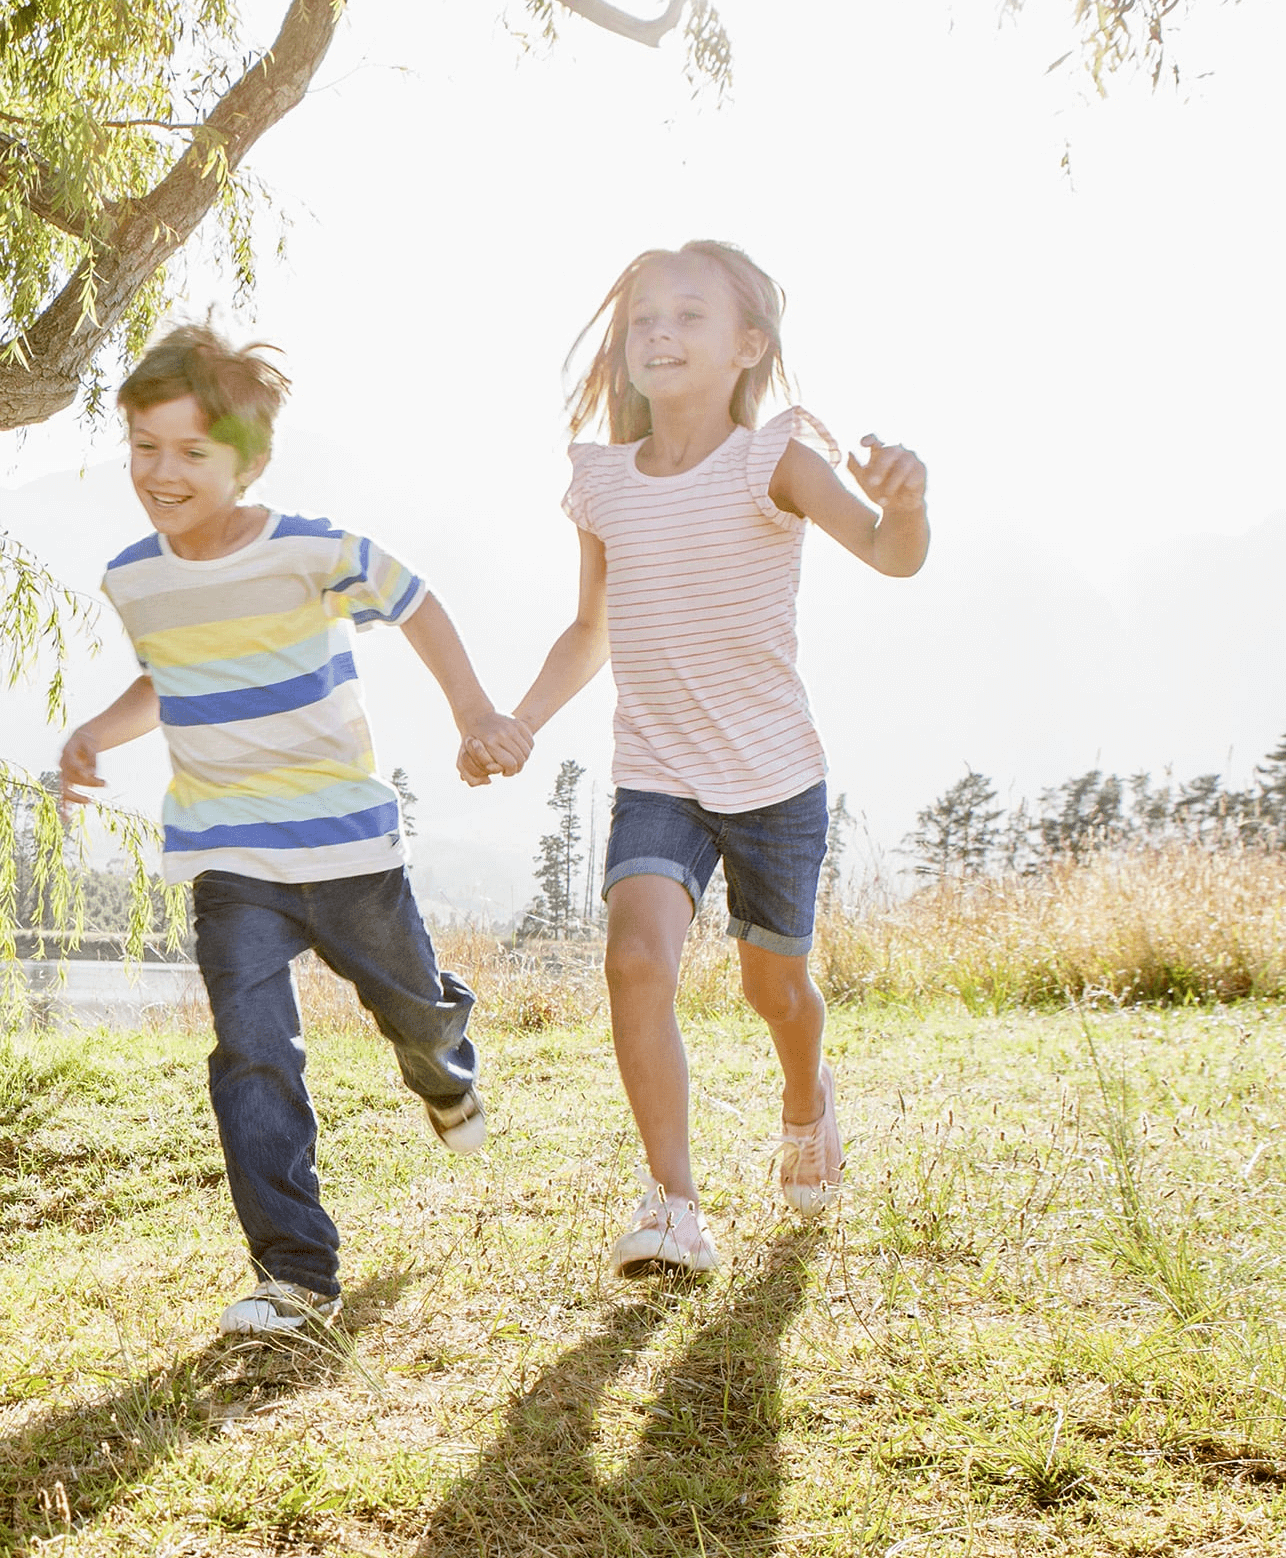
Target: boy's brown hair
<point>606,385</point>
<point>239,393</point>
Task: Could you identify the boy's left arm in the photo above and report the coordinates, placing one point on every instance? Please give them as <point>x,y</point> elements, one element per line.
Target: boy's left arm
<point>433,636</point>
<point>895,539</point>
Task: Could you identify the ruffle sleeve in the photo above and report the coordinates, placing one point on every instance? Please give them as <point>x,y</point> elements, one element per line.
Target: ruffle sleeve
<point>587,471</point>
<point>767,444</point>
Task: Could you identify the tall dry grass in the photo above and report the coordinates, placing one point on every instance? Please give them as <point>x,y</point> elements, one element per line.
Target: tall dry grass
<point>1169,925</point>
<point>557,984</point>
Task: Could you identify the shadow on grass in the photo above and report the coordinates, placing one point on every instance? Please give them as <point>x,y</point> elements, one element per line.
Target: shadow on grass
<point>705,1477</point>
<point>62,1471</point>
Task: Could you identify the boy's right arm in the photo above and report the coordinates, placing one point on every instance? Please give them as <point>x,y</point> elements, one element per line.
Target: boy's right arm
<point>134,713</point>
<point>577,656</point>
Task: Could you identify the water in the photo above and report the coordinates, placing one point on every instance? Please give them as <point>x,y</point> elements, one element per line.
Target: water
<point>88,993</point>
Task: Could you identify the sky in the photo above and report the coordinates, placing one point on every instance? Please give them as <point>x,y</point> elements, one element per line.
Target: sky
<point>1071,307</point>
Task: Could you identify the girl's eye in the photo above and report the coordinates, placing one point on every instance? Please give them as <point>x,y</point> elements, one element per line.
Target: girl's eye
<point>689,316</point>
<point>641,319</point>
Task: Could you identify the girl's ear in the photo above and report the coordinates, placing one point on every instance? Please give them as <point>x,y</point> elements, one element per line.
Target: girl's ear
<point>754,343</point>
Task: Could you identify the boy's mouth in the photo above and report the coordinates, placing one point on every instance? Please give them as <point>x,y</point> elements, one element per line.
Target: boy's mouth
<point>167,500</point>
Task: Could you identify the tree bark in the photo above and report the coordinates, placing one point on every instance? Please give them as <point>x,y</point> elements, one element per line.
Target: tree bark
<point>61,343</point>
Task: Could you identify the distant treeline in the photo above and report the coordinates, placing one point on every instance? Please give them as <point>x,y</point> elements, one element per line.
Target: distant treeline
<point>965,832</point>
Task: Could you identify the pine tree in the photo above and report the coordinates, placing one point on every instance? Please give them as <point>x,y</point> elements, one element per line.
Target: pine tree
<point>957,833</point>
<point>409,799</point>
<point>1201,808</point>
<point>1271,797</point>
<point>553,912</point>
<point>837,832</point>
<point>1080,814</point>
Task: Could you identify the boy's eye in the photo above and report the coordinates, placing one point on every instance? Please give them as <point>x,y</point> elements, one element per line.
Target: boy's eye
<point>196,454</point>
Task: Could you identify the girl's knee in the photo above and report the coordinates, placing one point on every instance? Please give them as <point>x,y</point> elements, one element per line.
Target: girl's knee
<point>633,961</point>
<point>780,997</point>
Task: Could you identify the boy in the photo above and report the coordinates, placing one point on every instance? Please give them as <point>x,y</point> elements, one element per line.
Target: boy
<point>275,813</point>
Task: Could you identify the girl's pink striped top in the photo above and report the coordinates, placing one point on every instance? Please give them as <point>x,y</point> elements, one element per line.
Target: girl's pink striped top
<point>702,575</point>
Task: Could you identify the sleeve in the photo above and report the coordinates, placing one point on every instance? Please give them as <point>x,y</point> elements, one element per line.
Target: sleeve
<point>368,586</point>
<point>106,585</point>
<point>765,447</point>
<point>586,461</point>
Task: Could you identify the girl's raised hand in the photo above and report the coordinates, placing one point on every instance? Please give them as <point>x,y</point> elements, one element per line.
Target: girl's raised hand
<point>893,477</point>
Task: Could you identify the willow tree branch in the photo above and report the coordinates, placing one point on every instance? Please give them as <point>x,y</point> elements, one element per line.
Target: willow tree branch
<point>20,166</point>
<point>613,19</point>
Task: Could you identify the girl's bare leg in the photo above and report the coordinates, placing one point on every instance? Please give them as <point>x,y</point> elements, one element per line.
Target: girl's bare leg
<point>781,990</point>
<point>647,920</point>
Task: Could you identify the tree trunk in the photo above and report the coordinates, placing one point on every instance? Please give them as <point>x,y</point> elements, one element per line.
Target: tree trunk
<point>61,344</point>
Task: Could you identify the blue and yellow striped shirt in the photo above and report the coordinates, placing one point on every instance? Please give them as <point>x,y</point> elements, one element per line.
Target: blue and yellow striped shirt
<point>251,656</point>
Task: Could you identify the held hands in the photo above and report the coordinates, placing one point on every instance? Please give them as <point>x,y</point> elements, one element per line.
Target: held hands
<point>78,766</point>
<point>893,477</point>
<point>494,744</point>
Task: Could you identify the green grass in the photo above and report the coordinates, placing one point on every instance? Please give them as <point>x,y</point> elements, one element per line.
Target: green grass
<point>1046,1320</point>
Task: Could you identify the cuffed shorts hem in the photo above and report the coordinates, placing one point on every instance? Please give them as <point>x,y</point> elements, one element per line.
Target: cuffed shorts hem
<point>655,865</point>
<point>770,941</point>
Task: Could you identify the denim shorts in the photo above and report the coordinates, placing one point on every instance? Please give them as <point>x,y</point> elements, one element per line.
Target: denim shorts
<point>771,857</point>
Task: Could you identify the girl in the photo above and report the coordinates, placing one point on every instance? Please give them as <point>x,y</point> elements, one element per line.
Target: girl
<point>691,523</point>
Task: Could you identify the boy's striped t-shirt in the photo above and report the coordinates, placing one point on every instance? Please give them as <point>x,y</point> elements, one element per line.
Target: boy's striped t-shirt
<point>702,575</point>
<point>251,656</point>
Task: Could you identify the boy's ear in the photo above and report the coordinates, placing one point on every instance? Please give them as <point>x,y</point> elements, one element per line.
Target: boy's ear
<point>754,343</point>
<point>253,470</point>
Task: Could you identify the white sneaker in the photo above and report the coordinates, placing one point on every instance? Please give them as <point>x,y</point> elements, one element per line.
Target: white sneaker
<point>461,1126</point>
<point>278,1306</point>
<point>812,1157</point>
<point>663,1236</point>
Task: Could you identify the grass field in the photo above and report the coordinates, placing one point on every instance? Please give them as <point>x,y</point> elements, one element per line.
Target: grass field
<point>1047,1318</point>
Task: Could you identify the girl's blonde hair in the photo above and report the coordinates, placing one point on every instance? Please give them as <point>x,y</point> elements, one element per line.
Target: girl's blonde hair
<point>606,384</point>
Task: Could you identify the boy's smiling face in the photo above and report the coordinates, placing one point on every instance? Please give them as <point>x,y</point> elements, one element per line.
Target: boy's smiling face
<point>189,484</point>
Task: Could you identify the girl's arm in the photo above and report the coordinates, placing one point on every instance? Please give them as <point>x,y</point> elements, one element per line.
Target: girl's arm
<point>576,657</point>
<point>134,713</point>
<point>580,652</point>
<point>432,635</point>
<point>893,541</point>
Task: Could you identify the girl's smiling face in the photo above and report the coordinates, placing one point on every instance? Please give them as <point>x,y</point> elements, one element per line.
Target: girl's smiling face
<point>686,336</point>
<point>189,483</point>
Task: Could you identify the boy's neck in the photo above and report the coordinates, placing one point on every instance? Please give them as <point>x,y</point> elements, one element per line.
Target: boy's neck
<point>681,437</point>
<point>240,528</point>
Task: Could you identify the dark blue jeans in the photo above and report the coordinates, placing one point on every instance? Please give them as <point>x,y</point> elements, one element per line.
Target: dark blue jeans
<point>369,930</point>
